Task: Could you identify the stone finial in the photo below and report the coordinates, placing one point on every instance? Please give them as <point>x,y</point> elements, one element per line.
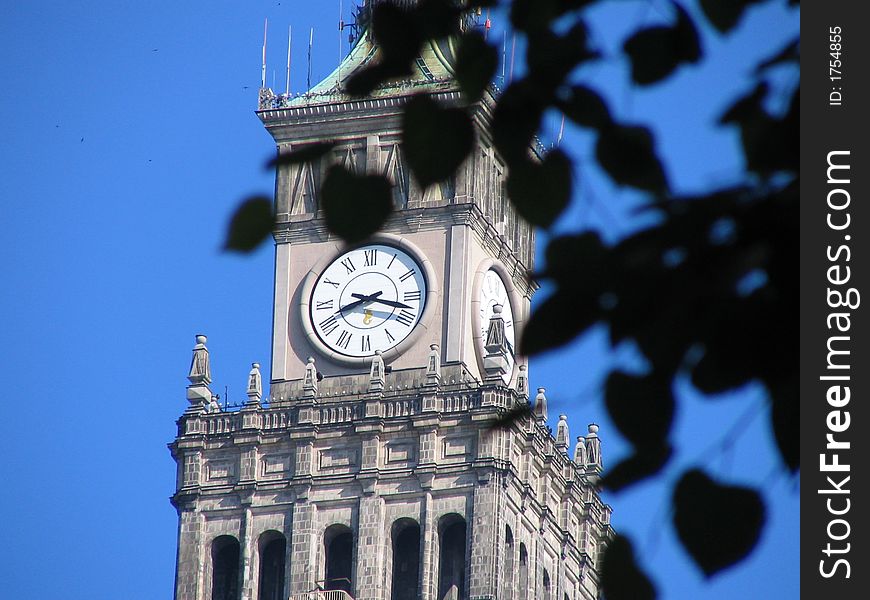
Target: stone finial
<point>540,410</point>
<point>433,365</point>
<point>309,382</point>
<point>562,437</point>
<point>580,451</point>
<point>200,366</point>
<point>376,374</point>
<point>198,393</point>
<point>593,448</point>
<point>495,363</point>
<point>523,383</point>
<point>255,384</point>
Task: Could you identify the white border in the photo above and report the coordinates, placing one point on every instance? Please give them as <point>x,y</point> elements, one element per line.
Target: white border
<point>423,324</point>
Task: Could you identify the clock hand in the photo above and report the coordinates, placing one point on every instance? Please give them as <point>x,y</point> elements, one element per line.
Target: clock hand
<point>362,299</point>
<point>387,302</point>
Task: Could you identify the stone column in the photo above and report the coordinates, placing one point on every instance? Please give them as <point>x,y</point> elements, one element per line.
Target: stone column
<point>480,576</point>
<point>303,559</point>
<point>371,549</point>
<point>428,562</point>
<point>189,571</point>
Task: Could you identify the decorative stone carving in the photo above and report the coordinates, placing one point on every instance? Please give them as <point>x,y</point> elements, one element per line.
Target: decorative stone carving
<point>593,448</point>
<point>433,365</point>
<point>562,436</point>
<point>309,382</point>
<point>255,384</point>
<point>523,383</point>
<point>580,451</point>
<point>376,374</point>
<point>198,393</point>
<point>540,410</point>
<point>495,363</point>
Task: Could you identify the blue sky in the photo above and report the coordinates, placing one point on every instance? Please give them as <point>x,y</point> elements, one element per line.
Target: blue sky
<point>128,137</point>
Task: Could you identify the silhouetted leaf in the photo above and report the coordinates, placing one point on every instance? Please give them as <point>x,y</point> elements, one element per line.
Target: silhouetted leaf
<point>557,321</point>
<point>785,418</point>
<point>550,57</point>
<point>303,154</point>
<point>655,52</point>
<point>717,524</point>
<point>435,139</point>
<point>621,577</point>
<point>585,107</point>
<point>508,418</point>
<point>476,62</point>
<point>635,468</point>
<point>355,206</point>
<point>725,14</point>
<point>252,223</point>
<point>516,119</point>
<point>641,407</point>
<point>541,191</point>
<point>396,32</point>
<point>577,258</point>
<point>628,155</point>
<point>533,15</point>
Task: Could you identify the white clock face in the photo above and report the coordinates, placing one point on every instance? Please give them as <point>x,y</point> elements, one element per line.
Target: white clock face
<point>492,292</point>
<point>367,299</point>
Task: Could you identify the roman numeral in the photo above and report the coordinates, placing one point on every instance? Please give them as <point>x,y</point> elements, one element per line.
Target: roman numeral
<point>508,323</point>
<point>328,325</point>
<point>391,261</point>
<point>348,264</point>
<point>325,305</point>
<point>407,275</point>
<point>366,343</point>
<point>332,283</point>
<point>405,317</point>
<point>371,257</point>
<point>412,296</point>
<point>344,339</point>
<point>390,338</point>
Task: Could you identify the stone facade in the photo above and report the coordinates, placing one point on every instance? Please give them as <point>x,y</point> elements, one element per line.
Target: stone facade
<point>400,475</point>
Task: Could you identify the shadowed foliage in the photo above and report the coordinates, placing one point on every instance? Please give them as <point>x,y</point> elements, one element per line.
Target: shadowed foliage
<point>708,293</point>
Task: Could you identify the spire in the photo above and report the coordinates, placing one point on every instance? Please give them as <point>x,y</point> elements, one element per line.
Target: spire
<point>540,410</point>
<point>309,382</point>
<point>580,451</point>
<point>255,384</point>
<point>523,383</point>
<point>593,448</point>
<point>433,366</point>
<point>562,436</point>
<point>376,374</point>
<point>198,393</point>
<point>495,363</point>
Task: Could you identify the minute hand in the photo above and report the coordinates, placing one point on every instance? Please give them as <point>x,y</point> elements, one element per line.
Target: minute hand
<point>362,299</point>
<point>392,303</point>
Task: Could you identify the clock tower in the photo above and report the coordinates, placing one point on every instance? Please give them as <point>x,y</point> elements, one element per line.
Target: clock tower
<point>379,465</point>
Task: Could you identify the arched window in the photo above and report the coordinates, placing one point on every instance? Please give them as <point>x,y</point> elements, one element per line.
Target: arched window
<point>451,568</point>
<point>273,550</point>
<point>546,585</point>
<point>524,572</point>
<point>338,551</point>
<point>508,578</point>
<point>225,568</point>
<point>406,559</point>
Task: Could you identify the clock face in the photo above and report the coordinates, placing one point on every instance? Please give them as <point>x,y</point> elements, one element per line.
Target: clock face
<point>492,292</point>
<point>367,299</point>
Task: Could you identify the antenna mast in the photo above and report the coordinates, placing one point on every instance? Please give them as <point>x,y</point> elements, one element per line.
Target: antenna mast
<point>289,42</point>
<point>310,42</point>
<point>263,71</point>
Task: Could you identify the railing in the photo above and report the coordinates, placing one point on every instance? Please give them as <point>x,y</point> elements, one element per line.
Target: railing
<point>322,595</point>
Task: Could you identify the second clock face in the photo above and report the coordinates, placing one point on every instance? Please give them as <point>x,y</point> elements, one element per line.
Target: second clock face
<point>367,299</point>
<point>492,292</point>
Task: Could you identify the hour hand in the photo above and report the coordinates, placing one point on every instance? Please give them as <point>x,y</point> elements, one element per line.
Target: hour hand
<point>362,299</point>
<point>392,303</point>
